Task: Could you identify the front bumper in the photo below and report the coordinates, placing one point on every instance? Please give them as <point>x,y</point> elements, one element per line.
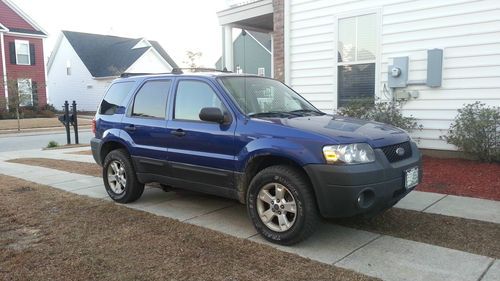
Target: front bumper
<point>381,184</point>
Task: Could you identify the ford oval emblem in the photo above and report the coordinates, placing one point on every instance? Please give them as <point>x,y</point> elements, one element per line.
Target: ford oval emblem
<point>400,151</point>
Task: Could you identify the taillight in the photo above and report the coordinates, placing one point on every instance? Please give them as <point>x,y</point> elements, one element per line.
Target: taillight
<point>93,126</point>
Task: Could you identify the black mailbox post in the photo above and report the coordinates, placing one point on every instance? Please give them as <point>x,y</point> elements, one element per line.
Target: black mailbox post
<point>70,119</point>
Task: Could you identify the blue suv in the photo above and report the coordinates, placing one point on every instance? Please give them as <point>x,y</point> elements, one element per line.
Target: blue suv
<point>252,139</point>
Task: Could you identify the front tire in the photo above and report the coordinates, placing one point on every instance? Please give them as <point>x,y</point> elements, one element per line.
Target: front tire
<point>281,205</point>
<point>119,177</point>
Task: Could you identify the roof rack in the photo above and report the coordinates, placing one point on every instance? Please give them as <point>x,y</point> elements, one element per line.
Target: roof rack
<point>179,70</point>
<point>176,70</point>
<point>130,74</point>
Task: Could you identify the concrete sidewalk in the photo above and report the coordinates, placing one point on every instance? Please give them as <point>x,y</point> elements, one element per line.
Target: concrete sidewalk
<point>382,256</point>
<point>428,202</point>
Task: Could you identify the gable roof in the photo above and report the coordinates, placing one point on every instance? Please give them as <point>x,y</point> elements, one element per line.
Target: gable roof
<point>262,38</point>
<point>106,55</point>
<point>19,21</point>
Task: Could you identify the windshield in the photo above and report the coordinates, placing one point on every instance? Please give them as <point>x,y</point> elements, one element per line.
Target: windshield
<point>266,97</point>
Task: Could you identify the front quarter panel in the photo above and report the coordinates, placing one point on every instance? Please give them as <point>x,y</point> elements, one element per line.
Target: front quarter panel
<point>259,138</point>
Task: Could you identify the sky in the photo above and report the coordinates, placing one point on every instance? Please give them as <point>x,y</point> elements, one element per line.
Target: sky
<point>179,25</point>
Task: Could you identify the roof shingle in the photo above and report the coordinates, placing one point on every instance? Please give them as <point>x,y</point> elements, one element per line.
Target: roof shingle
<point>106,55</point>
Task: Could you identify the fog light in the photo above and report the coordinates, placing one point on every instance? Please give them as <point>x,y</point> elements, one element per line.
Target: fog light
<point>366,198</point>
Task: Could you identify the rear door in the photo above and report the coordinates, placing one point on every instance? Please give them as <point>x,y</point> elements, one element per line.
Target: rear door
<point>144,126</point>
<point>200,151</point>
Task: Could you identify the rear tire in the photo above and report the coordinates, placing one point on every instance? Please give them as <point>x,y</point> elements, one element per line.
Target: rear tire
<point>119,177</point>
<point>281,205</point>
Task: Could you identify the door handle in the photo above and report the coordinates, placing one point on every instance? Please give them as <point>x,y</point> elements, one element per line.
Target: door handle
<point>129,128</point>
<point>178,133</point>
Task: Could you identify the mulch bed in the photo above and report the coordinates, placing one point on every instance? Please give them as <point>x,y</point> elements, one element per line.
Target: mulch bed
<point>47,234</point>
<point>461,177</point>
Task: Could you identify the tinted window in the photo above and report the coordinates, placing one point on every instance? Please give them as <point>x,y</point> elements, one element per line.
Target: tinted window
<point>114,97</point>
<point>151,100</point>
<point>191,97</point>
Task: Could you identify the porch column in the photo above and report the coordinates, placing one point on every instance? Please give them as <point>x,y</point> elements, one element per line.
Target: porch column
<point>4,72</point>
<point>227,54</point>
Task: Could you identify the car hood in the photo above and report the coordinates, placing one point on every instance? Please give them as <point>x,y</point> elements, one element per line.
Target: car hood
<point>346,130</point>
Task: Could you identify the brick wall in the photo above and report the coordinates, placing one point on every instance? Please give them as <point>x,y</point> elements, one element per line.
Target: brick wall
<point>278,40</point>
<point>35,72</point>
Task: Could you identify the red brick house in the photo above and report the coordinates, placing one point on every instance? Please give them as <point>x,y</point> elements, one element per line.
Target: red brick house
<point>21,57</point>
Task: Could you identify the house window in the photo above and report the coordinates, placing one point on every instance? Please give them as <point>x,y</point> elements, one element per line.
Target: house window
<point>23,52</point>
<point>25,90</point>
<point>68,68</point>
<point>357,45</point>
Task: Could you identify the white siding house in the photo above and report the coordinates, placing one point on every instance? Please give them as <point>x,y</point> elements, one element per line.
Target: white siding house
<point>78,85</point>
<point>82,67</point>
<point>467,31</point>
<point>337,50</point>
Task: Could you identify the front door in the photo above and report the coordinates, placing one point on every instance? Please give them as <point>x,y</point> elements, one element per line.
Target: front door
<point>145,127</point>
<point>200,151</point>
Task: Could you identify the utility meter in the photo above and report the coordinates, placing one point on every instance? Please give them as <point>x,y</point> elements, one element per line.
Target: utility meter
<point>395,71</point>
<point>398,73</point>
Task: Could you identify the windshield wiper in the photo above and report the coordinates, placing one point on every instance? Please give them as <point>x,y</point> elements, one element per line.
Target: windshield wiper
<point>302,111</point>
<point>272,114</point>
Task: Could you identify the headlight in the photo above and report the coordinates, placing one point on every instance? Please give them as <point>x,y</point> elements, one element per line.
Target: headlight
<point>349,153</point>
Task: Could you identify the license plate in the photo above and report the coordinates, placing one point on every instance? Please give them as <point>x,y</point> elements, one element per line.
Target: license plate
<point>411,177</point>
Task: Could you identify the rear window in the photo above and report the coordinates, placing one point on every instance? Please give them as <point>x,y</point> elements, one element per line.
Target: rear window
<point>114,97</point>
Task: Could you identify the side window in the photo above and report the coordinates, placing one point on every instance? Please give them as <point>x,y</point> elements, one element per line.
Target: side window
<point>191,97</point>
<point>151,100</point>
<point>114,97</point>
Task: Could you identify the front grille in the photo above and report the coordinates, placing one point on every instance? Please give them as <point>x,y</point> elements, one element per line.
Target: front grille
<point>390,151</point>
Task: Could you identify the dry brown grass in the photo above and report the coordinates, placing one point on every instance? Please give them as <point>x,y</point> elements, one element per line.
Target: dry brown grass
<point>47,234</point>
<point>84,152</point>
<point>31,123</point>
<point>472,236</point>
<point>90,169</point>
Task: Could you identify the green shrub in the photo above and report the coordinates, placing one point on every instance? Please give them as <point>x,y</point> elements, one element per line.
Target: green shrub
<point>476,131</point>
<point>386,112</point>
<point>52,144</point>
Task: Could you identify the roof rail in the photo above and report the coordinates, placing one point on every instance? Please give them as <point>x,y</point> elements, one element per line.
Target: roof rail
<point>179,70</point>
<point>130,74</point>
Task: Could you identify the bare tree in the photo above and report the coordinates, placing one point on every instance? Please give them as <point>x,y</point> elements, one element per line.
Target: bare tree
<point>22,93</point>
<point>192,59</point>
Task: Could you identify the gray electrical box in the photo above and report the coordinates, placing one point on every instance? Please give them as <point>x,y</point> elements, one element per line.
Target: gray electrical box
<point>398,73</point>
<point>434,67</point>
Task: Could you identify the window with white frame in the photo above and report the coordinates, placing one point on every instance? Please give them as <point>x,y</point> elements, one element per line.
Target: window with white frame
<point>357,45</point>
<point>25,90</point>
<point>22,52</point>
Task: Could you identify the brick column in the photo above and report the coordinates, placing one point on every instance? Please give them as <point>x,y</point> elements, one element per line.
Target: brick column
<point>278,40</point>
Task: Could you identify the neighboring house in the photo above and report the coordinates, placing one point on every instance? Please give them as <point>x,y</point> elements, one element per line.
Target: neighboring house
<point>252,53</point>
<point>22,60</point>
<point>82,65</point>
<point>334,51</point>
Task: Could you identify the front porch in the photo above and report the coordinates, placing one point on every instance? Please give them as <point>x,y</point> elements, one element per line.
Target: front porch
<point>255,15</point>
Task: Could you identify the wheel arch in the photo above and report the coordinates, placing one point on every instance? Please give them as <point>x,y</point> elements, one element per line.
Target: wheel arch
<point>259,162</point>
<point>109,146</point>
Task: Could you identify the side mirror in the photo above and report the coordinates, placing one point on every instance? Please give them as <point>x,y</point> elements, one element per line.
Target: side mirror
<point>212,114</point>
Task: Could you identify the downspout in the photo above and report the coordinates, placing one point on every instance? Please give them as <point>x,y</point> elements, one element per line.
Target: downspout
<point>4,71</point>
